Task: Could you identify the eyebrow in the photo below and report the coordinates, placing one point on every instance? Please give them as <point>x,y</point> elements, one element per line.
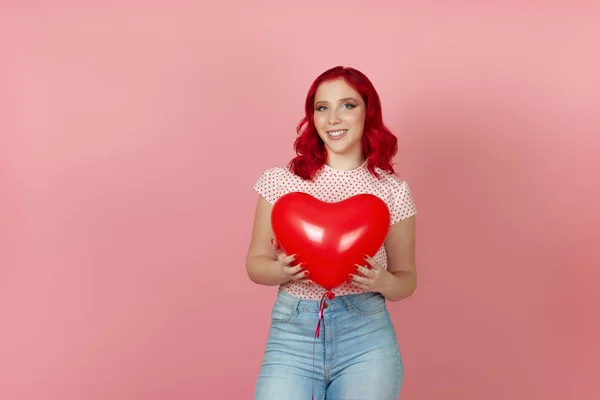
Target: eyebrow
<point>344,99</point>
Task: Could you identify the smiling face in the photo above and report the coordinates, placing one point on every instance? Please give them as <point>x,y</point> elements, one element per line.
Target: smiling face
<point>339,117</point>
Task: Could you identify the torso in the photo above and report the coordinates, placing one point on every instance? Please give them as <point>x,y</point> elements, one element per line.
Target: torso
<point>334,185</point>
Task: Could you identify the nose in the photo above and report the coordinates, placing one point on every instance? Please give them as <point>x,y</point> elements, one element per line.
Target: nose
<point>334,118</point>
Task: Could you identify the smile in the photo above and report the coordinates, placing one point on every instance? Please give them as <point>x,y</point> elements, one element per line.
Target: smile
<point>337,134</point>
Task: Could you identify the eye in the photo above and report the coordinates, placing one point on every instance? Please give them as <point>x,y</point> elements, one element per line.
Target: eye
<point>349,105</point>
<point>320,108</point>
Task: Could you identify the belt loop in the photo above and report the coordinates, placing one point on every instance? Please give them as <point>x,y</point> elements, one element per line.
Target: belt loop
<point>347,302</point>
<point>296,306</point>
<point>289,301</point>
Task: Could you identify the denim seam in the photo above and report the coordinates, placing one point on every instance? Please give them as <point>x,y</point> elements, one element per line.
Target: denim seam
<point>400,364</point>
<point>331,347</point>
<point>353,309</point>
<point>293,312</point>
<point>335,348</point>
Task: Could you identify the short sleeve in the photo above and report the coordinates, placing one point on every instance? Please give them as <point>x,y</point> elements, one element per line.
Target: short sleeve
<point>267,184</point>
<point>403,205</point>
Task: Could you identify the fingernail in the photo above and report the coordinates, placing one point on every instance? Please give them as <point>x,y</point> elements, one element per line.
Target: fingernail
<point>369,266</point>
<point>306,273</point>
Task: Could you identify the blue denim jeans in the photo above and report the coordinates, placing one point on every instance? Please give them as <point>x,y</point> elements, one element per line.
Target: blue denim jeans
<point>356,355</point>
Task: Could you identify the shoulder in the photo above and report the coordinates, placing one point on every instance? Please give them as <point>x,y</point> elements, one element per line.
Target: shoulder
<point>399,195</point>
<point>268,183</point>
<point>392,182</point>
<point>276,173</point>
<point>272,171</point>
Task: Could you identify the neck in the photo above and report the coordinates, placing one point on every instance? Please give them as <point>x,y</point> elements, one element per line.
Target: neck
<point>345,162</point>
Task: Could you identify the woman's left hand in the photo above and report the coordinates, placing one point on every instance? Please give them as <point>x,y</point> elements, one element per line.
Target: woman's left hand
<point>375,278</point>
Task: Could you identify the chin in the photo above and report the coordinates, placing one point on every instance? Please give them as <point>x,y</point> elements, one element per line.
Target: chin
<point>340,148</point>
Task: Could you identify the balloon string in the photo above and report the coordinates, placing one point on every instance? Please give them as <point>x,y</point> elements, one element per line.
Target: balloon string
<point>327,295</point>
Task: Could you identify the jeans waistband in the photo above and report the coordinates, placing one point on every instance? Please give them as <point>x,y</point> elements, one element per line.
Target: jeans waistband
<point>345,302</point>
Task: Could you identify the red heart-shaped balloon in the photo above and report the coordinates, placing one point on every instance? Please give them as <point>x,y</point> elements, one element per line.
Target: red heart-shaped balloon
<point>330,238</point>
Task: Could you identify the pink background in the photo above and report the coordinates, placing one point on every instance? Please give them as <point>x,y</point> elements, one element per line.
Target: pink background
<point>122,269</point>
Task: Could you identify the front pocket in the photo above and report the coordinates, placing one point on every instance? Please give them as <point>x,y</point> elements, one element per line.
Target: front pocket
<point>371,305</point>
<point>281,314</point>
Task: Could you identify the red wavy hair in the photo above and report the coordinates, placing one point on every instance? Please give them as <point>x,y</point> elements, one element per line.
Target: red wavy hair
<point>379,144</point>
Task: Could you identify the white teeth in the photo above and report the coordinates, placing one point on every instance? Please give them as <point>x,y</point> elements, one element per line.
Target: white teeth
<point>337,133</point>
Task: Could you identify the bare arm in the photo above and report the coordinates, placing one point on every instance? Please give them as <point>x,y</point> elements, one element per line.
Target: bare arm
<point>399,280</point>
<point>400,249</point>
<point>264,264</point>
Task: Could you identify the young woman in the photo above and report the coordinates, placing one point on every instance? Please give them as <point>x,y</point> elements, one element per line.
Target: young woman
<point>343,149</point>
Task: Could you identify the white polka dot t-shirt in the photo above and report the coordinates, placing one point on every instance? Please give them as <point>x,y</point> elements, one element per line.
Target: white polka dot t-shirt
<point>333,185</point>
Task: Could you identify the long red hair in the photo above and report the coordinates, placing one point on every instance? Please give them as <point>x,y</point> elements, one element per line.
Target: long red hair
<point>379,144</point>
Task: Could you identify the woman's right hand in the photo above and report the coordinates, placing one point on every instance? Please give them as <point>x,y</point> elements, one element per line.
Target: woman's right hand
<point>292,273</point>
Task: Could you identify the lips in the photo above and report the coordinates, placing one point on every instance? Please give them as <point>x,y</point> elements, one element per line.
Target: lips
<point>336,134</point>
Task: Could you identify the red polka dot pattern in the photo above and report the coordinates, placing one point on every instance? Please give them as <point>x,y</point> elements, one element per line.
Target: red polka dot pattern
<point>334,185</point>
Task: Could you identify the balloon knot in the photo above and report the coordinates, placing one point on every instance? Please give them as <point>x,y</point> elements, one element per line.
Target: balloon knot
<point>330,295</point>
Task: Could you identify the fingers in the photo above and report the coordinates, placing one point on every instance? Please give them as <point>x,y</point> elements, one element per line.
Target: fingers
<point>293,270</point>
<point>281,256</point>
<point>364,277</point>
<point>362,286</point>
<point>358,279</point>
<point>360,282</point>
<point>297,272</point>
<point>301,276</point>
<point>371,263</point>
<point>286,260</point>
<point>365,271</point>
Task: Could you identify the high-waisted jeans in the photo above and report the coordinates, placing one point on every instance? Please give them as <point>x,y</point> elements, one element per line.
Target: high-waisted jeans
<point>356,354</point>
